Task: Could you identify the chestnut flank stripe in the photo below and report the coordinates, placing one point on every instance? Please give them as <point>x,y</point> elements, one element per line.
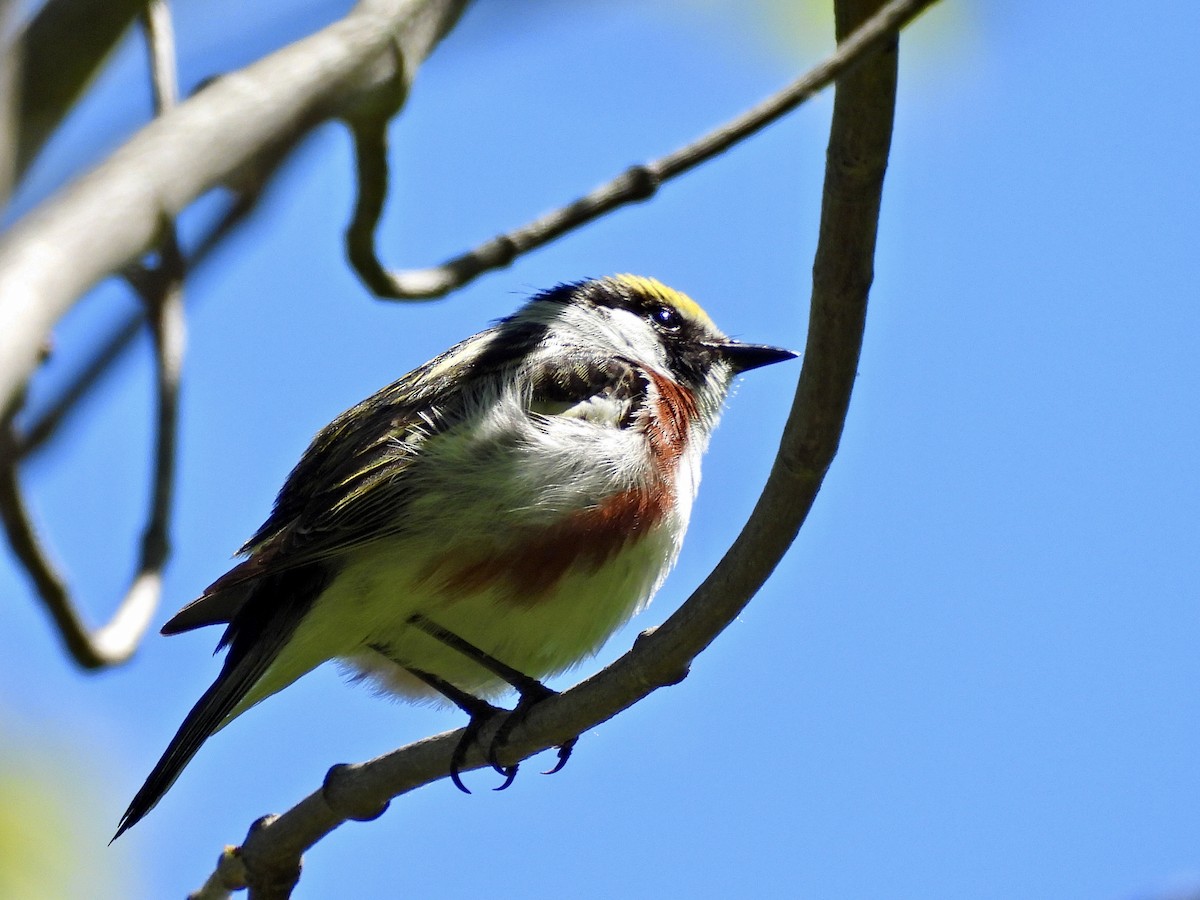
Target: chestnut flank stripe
<point>532,565</point>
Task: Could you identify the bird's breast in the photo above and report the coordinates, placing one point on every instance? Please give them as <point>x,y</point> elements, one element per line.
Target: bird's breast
<point>541,600</point>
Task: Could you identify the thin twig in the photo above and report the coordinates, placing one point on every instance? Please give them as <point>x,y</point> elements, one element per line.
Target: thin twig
<point>842,273</point>
<point>638,183</point>
<point>162,292</point>
<point>370,159</point>
<point>160,40</point>
<point>11,54</point>
<point>163,298</point>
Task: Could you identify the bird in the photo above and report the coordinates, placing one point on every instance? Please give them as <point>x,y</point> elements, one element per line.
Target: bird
<point>486,521</point>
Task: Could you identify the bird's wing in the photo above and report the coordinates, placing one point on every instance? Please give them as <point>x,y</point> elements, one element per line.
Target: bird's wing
<point>351,484</point>
<point>359,459</point>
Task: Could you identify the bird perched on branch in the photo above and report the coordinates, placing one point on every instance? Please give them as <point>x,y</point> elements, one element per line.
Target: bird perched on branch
<point>486,521</point>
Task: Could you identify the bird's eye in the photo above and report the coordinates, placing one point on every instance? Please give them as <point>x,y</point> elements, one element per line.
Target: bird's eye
<point>666,318</point>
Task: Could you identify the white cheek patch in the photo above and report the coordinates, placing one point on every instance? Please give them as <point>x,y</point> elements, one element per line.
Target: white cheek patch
<point>631,334</point>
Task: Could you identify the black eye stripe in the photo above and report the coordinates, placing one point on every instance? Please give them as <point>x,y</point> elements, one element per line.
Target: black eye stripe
<point>614,294</point>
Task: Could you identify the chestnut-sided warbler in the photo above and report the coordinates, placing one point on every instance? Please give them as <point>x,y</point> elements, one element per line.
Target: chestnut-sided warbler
<point>487,520</point>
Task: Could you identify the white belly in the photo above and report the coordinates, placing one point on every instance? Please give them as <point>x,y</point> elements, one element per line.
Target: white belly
<point>371,601</point>
<point>550,635</point>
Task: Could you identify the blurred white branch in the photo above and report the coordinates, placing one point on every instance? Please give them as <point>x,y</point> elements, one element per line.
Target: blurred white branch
<point>112,215</point>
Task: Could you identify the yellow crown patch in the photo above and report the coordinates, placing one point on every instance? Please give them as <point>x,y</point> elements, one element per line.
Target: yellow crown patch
<point>659,291</point>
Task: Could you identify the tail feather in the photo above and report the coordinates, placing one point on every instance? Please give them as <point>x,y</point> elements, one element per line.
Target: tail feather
<point>210,608</point>
<point>258,632</point>
<point>235,680</point>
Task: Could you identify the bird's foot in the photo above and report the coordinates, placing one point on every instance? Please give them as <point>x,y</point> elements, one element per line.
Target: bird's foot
<point>532,693</point>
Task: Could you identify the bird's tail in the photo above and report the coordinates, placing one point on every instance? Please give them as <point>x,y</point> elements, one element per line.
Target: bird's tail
<point>209,713</point>
<point>257,633</point>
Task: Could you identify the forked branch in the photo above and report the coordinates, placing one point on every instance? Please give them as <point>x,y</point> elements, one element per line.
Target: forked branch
<point>124,209</point>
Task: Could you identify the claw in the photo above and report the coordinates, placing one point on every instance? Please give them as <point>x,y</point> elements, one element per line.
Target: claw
<point>498,741</point>
<point>510,775</point>
<point>515,718</point>
<point>469,736</point>
<point>564,753</point>
<point>456,761</point>
<point>478,718</point>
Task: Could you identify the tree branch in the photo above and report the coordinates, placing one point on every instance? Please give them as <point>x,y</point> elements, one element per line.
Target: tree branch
<point>112,215</point>
<point>161,290</point>
<point>859,141</point>
<point>636,184</point>
<point>111,347</point>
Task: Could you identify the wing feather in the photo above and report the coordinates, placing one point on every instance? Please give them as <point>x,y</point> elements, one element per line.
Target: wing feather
<point>351,484</point>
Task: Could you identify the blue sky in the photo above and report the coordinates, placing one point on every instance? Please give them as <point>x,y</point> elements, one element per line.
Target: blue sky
<point>975,674</point>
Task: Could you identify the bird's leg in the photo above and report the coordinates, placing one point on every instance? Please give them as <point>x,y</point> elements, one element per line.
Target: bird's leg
<point>477,709</point>
<point>530,690</point>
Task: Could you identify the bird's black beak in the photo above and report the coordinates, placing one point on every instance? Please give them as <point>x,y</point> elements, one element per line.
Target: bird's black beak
<point>744,357</point>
